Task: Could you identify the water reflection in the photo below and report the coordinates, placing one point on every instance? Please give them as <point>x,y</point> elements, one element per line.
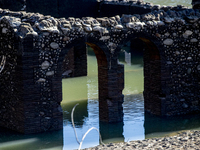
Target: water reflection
<point>155,125</point>
<point>10,140</point>
<point>111,132</point>
<point>80,113</point>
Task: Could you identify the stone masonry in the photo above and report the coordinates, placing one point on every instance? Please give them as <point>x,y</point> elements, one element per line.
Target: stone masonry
<point>34,46</point>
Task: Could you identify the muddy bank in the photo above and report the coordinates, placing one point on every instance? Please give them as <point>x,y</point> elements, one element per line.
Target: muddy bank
<point>185,140</point>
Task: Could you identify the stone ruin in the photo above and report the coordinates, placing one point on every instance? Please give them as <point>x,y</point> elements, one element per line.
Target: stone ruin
<point>34,46</point>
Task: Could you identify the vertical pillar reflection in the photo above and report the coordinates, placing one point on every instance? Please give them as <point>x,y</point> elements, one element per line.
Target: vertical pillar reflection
<point>111,132</point>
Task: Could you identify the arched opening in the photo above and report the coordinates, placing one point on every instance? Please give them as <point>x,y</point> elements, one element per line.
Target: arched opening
<point>89,107</point>
<point>150,65</point>
<point>142,75</point>
<point>102,80</point>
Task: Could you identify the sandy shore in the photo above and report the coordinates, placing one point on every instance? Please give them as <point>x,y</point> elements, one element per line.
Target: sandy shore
<point>186,140</point>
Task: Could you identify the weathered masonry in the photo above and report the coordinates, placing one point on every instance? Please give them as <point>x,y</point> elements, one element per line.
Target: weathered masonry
<point>34,46</point>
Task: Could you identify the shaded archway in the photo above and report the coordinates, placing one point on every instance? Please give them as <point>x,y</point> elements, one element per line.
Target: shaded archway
<point>152,58</point>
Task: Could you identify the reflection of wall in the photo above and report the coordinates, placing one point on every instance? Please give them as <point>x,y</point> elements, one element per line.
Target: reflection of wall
<point>154,123</point>
<point>80,112</point>
<point>112,131</point>
<point>16,141</point>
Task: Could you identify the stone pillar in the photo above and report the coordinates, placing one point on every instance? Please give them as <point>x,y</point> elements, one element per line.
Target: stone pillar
<point>110,94</point>
<point>114,98</point>
<point>111,84</point>
<point>41,96</point>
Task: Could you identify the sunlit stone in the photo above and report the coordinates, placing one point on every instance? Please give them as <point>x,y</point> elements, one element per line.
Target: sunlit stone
<point>119,27</point>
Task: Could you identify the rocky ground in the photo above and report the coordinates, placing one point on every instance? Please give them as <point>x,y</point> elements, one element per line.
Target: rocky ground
<point>187,140</point>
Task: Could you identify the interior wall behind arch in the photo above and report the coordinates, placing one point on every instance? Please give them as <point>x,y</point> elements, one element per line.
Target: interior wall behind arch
<point>152,78</point>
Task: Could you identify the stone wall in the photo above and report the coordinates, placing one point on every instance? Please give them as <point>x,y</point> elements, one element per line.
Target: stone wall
<point>34,47</point>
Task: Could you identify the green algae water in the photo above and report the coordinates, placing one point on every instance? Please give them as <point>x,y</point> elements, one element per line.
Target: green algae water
<point>84,90</point>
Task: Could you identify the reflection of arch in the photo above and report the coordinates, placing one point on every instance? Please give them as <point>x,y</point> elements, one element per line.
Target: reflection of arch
<point>152,71</point>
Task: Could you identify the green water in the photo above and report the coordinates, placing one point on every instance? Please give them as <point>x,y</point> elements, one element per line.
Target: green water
<point>171,2</point>
<point>84,90</point>
<point>87,87</point>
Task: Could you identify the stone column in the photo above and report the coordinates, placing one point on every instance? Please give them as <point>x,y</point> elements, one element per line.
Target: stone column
<point>111,84</point>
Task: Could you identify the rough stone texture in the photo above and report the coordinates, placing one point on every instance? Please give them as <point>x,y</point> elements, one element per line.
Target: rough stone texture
<point>34,47</point>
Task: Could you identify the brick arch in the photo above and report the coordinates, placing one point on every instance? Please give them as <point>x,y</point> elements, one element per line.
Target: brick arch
<point>75,54</point>
<point>110,93</point>
<point>110,81</point>
<point>153,58</point>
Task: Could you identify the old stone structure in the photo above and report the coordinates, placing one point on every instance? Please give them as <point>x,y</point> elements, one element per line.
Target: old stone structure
<point>34,46</point>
